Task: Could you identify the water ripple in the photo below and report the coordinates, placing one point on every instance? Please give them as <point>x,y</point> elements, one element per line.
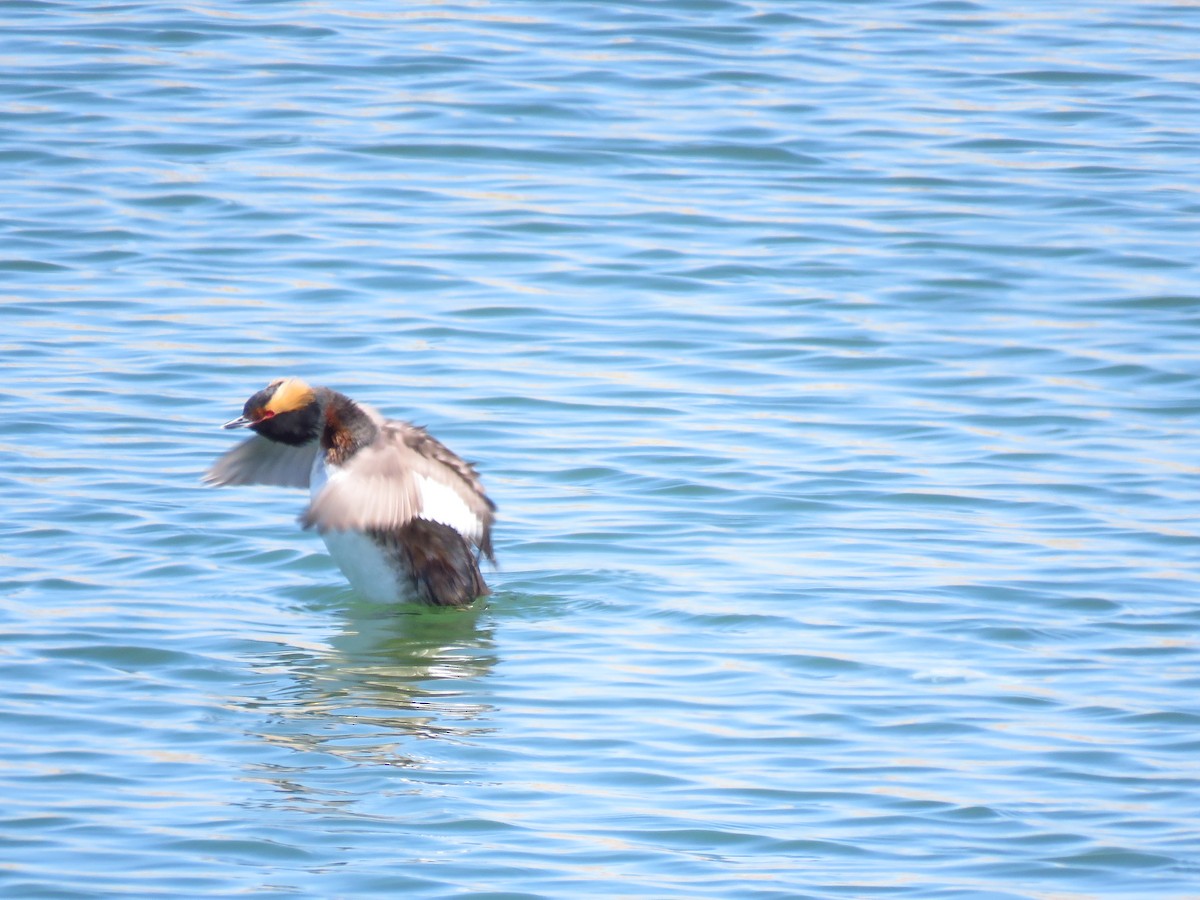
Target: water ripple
<point>833,372</point>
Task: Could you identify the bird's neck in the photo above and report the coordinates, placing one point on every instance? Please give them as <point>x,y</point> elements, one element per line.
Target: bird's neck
<point>346,427</point>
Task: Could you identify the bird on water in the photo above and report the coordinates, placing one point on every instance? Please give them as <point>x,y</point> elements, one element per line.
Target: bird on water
<point>404,517</point>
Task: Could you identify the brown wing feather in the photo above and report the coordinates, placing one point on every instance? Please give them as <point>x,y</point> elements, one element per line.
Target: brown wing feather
<point>375,490</point>
<point>447,467</point>
<point>261,461</point>
<point>467,484</point>
<point>378,488</point>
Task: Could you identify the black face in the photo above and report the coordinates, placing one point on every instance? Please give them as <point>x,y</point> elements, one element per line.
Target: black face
<point>295,427</point>
<point>256,405</point>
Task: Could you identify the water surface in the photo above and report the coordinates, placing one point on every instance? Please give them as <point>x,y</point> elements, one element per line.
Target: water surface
<point>833,367</point>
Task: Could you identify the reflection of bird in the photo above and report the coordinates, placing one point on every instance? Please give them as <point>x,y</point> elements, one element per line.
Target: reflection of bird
<point>403,516</point>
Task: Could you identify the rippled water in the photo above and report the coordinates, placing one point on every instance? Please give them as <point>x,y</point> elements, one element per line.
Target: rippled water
<point>834,366</point>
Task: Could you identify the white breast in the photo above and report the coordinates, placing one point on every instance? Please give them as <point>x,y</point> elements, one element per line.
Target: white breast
<point>370,571</point>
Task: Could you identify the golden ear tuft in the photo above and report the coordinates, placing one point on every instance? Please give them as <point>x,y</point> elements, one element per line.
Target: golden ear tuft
<point>291,394</point>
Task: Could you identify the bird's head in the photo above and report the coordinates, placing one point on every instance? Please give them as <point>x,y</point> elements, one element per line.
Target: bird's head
<point>286,410</point>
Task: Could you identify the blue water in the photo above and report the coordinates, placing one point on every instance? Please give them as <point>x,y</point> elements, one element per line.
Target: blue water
<point>834,367</point>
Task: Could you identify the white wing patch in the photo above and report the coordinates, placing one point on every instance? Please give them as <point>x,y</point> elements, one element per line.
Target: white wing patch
<point>441,503</point>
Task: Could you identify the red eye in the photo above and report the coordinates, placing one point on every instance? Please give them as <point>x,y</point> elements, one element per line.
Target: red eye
<point>267,414</point>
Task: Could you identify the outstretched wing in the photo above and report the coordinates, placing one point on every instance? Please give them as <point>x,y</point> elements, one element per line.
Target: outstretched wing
<point>405,475</point>
<point>261,461</point>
